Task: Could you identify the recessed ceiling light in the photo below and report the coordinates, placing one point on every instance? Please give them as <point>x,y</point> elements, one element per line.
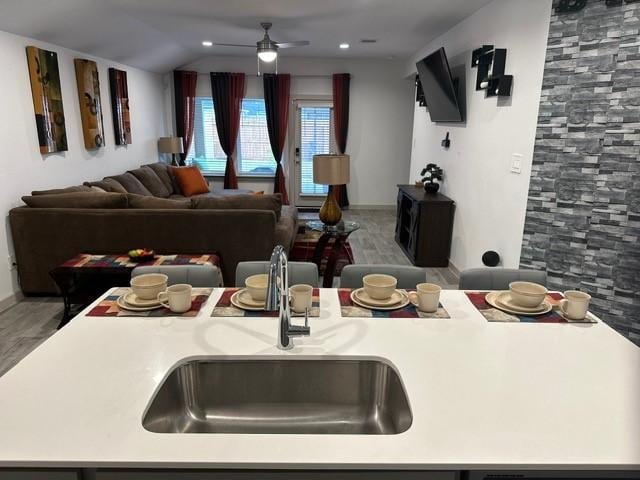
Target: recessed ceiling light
<point>207,43</point>
<point>344,46</point>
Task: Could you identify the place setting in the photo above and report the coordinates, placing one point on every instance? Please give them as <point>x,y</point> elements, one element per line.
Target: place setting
<point>150,296</point>
<point>379,297</point>
<point>250,301</point>
<point>533,303</point>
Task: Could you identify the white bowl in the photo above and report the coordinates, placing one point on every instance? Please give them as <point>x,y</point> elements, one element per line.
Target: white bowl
<point>257,286</point>
<point>149,285</point>
<point>527,294</point>
<point>379,286</point>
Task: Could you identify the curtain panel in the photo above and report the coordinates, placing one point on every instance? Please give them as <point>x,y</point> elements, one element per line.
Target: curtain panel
<point>276,99</point>
<point>341,83</point>
<point>184,87</point>
<point>227,91</point>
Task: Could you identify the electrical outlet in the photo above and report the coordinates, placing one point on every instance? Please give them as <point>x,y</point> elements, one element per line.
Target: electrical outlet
<point>516,163</point>
<point>11,262</point>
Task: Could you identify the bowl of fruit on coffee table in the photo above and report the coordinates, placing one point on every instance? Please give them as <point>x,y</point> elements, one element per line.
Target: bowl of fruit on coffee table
<point>141,255</point>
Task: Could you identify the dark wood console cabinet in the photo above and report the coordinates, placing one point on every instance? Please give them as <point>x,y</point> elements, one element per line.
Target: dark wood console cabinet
<point>423,226</point>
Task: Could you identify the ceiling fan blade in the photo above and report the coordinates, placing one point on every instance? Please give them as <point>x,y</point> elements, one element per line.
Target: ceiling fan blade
<point>300,43</point>
<point>234,45</point>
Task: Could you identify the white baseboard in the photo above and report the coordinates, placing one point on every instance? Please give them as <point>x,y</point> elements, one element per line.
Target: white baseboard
<point>371,207</point>
<point>454,270</point>
<point>10,301</point>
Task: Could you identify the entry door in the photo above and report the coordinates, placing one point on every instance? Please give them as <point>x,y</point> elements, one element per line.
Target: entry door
<point>314,134</point>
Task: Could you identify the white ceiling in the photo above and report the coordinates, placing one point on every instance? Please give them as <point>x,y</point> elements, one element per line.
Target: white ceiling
<point>160,35</point>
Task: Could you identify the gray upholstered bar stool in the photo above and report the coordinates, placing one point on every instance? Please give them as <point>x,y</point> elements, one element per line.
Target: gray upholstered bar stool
<point>195,275</point>
<point>408,277</point>
<point>299,272</point>
<point>498,278</point>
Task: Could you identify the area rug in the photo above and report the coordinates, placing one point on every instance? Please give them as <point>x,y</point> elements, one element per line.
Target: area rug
<point>305,246</point>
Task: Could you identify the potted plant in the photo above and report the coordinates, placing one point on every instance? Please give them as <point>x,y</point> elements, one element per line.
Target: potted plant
<point>430,176</point>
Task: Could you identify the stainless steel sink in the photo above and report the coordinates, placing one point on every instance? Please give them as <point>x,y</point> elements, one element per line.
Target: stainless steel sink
<point>340,396</point>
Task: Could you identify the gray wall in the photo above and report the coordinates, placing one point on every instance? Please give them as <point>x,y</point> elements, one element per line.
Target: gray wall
<point>583,211</point>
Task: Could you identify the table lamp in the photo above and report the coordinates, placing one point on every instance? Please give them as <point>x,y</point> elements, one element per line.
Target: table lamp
<point>330,170</point>
<point>172,145</point>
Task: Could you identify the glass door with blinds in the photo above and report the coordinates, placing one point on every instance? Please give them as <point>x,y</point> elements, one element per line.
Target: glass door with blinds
<point>314,134</point>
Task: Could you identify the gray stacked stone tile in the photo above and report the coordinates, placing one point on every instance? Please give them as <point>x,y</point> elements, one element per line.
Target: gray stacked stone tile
<point>583,212</point>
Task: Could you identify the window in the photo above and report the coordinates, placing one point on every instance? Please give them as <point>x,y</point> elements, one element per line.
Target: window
<point>316,137</point>
<point>253,150</point>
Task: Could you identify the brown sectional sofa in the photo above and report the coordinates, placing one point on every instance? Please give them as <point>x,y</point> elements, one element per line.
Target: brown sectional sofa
<point>143,208</point>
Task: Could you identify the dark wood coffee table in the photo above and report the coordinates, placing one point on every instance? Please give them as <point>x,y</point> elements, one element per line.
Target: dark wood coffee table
<point>86,276</point>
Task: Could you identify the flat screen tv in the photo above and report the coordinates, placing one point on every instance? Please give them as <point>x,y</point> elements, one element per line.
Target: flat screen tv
<point>439,88</point>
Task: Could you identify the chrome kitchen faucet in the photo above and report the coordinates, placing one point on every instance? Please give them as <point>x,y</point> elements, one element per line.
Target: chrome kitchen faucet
<point>278,298</point>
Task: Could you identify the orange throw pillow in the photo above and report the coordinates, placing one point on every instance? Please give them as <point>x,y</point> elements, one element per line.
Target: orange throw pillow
<point>190,180</point>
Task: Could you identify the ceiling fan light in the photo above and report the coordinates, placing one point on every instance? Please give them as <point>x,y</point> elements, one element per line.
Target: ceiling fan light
<point>267,55</point>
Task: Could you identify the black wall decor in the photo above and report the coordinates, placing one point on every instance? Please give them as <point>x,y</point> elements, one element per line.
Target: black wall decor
<point>565,6</point>
<point>475,56</point>
<point>491,65</point>
<point>569,6</point>
<point>484,70</point>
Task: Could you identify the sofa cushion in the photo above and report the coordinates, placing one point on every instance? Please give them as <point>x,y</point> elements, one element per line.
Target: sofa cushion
<point>190,180</point>
<point>162,170</point>
<point>108,185</point>
<point>130,183</point>
<point>55,191</point>
<point>77,200</point>
<point>287,227</point>
<point>240,202</point>
<point>151,181</point>
<point>145,201</point>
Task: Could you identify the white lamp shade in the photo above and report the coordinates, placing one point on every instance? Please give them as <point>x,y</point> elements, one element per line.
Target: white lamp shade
<point>170,145</point>
<point>331,169</point>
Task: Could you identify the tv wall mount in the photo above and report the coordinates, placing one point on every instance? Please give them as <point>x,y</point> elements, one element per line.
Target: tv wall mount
<point>491,76</point>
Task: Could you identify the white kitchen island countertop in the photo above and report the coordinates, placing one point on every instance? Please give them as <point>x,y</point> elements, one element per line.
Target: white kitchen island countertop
<point>483,395</point>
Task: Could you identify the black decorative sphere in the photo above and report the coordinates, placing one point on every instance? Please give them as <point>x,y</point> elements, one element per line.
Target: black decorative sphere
<point>491,258</point>
<point>431,187</point>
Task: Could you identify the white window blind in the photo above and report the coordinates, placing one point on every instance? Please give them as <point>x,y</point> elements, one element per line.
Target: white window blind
<point>253,150</point>
<point>316,137</point>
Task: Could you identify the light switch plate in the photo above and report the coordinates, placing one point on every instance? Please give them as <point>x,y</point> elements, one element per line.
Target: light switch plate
<point>516,163</point>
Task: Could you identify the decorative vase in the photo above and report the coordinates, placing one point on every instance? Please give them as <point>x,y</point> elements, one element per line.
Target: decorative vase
<point>431,187</point>
<point>330,213</point>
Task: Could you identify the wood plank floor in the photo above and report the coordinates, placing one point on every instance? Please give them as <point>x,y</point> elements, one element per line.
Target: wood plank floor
<point>30,322</point>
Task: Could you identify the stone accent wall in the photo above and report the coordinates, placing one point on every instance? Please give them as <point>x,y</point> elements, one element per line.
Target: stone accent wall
<point>583,213</point>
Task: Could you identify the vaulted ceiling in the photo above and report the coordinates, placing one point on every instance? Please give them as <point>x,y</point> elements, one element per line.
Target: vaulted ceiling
<point>159,35</point>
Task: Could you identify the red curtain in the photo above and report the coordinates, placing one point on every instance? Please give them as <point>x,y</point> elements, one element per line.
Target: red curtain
<point>184,86</point>
<point>341,83</point>
<point>276,99</point>
<point>227,91</point>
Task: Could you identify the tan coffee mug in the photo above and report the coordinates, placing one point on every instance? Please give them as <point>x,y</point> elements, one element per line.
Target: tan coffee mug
<point>301,297</point>
<point>575,304</point>
<point>428,297</point>
<point>177,298</point>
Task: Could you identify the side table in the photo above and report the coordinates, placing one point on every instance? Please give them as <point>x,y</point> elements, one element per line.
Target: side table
<point>85,277</point>
<point>339,234</point>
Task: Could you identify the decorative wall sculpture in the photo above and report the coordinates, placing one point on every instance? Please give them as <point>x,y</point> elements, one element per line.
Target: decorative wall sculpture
<point>120,106</point>
<point>583,214</point>
<point>90,103</point>
<point>47,99</point>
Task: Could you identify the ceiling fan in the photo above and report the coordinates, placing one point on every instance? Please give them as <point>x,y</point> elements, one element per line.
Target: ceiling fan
<point>266,48</point>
